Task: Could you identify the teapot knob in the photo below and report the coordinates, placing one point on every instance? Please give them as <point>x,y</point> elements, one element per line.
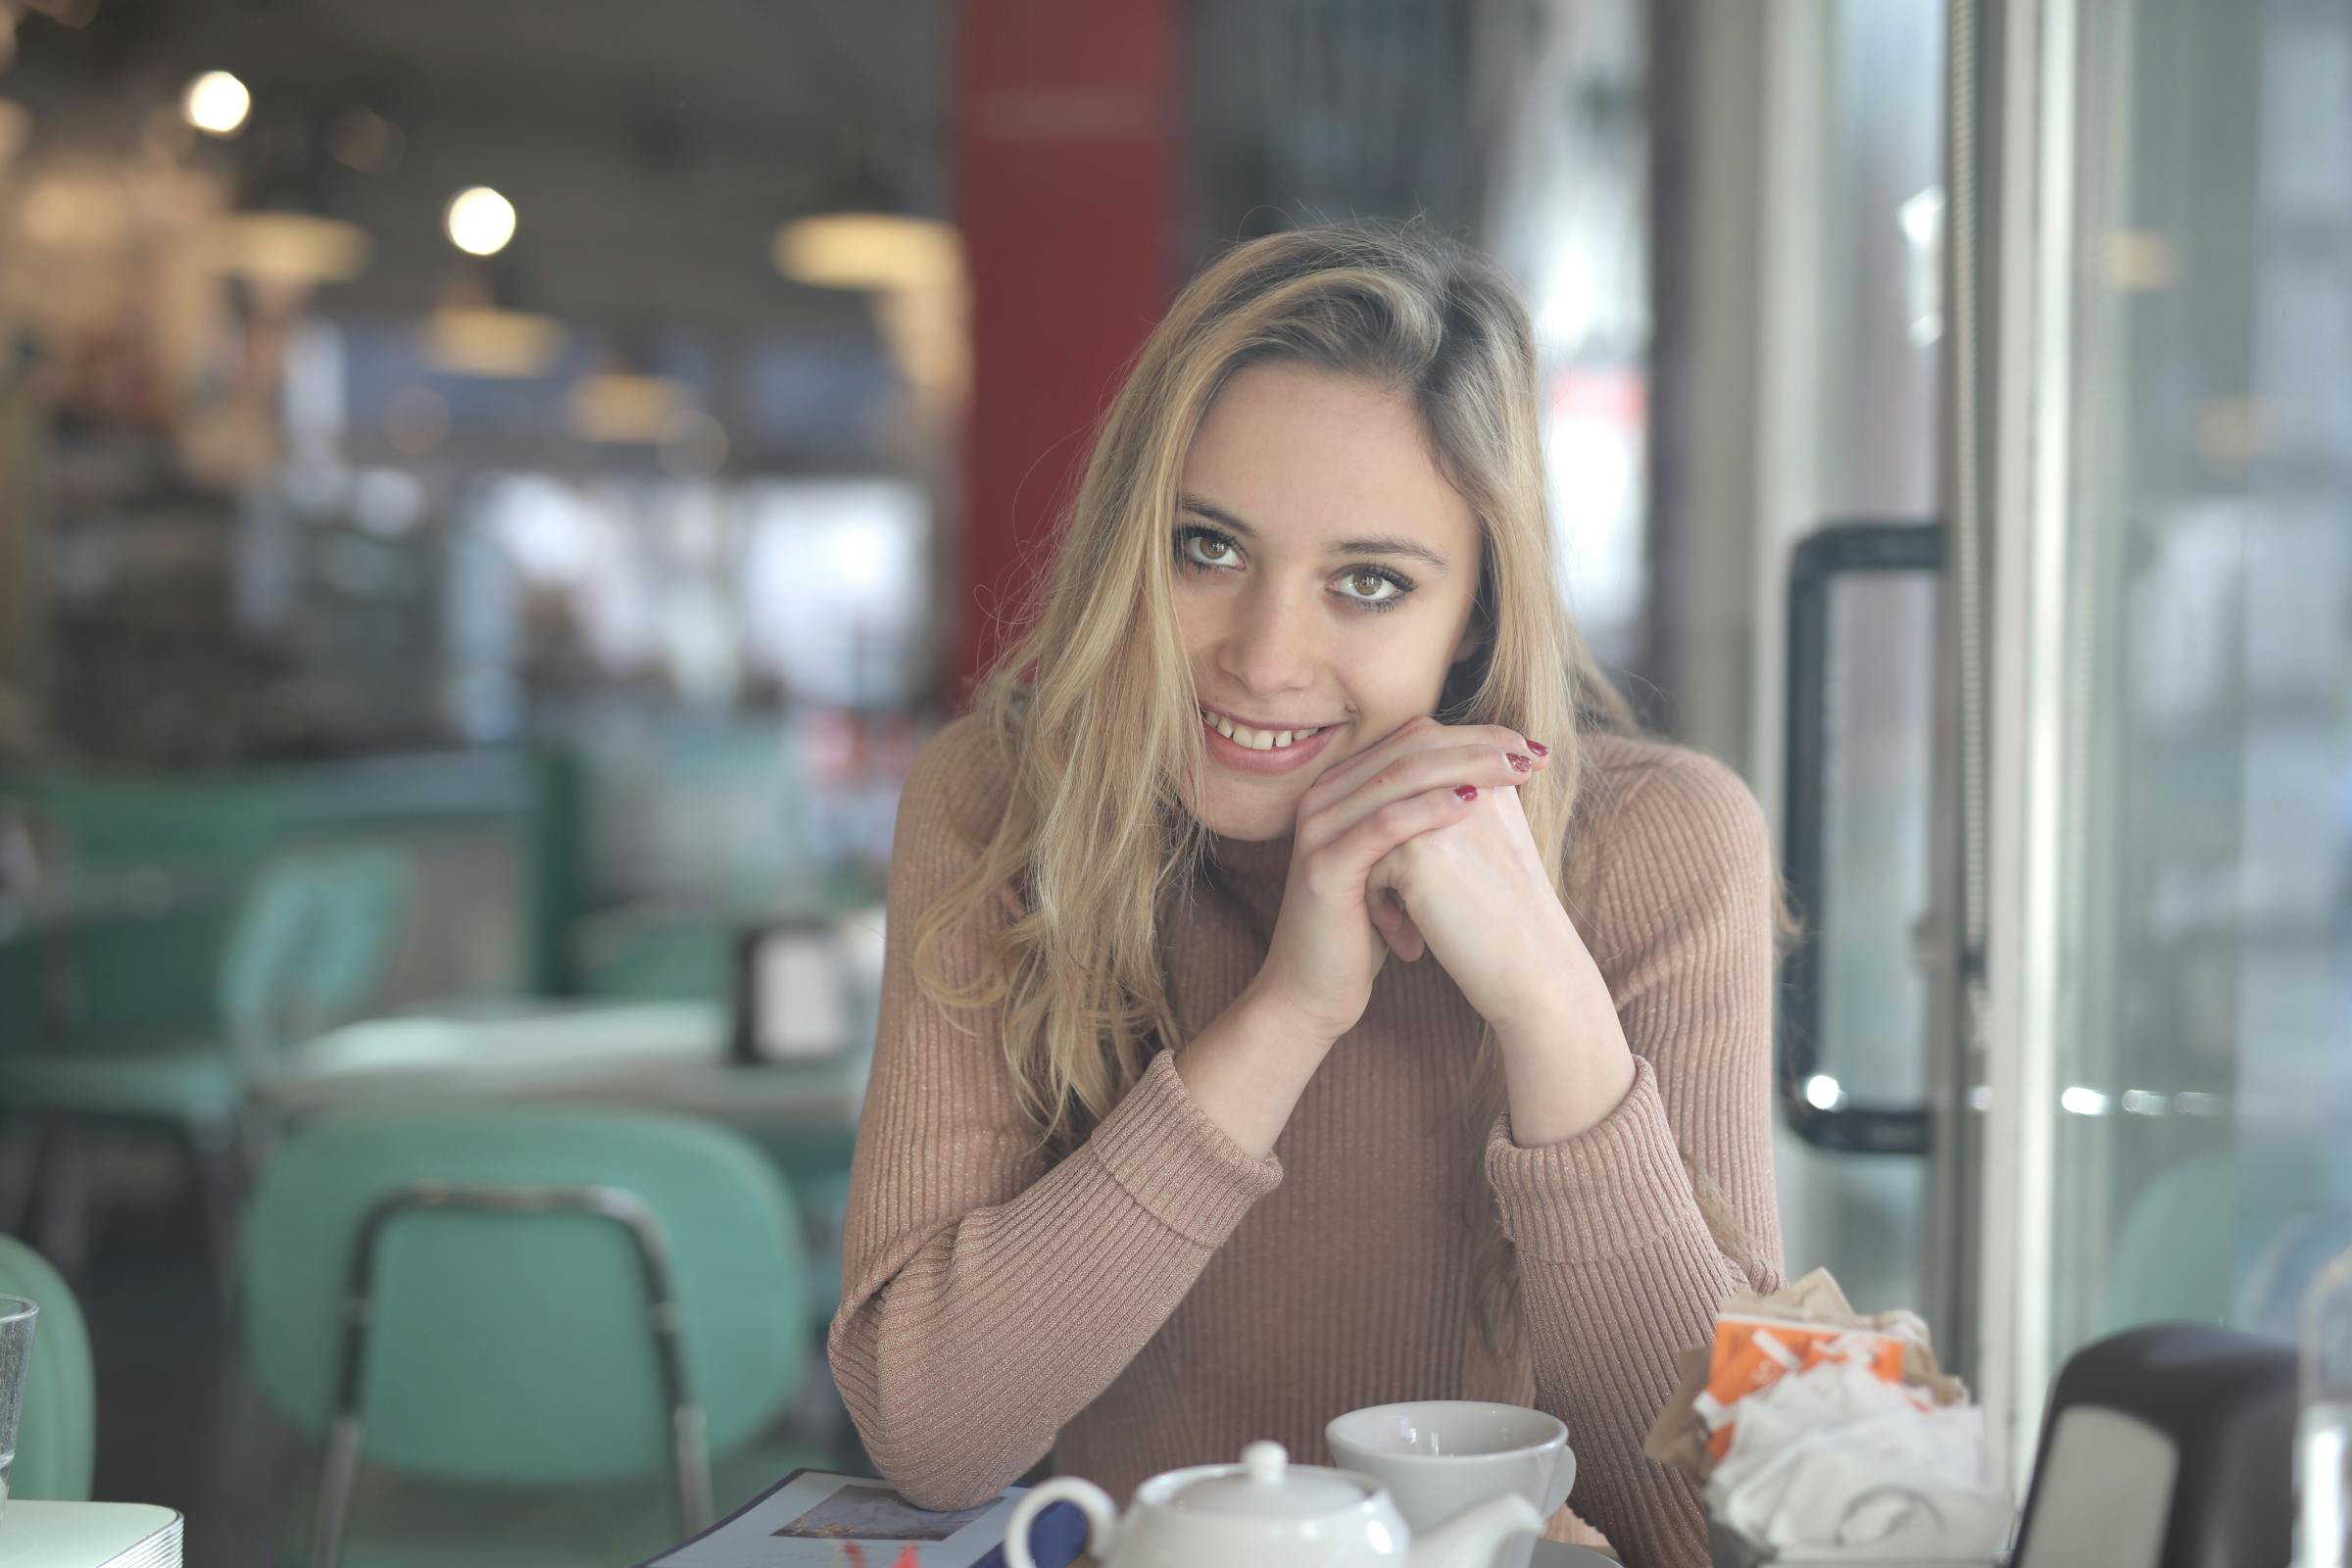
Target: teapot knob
<point>1265,1462</point>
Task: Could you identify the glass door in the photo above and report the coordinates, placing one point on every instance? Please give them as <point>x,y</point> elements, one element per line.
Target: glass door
<point>2166,505</point>
<point>1853,349</point>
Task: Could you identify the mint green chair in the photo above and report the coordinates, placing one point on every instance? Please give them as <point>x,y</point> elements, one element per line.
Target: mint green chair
<point>648,952</point>
<point>2176,1253</point>
<point>57,1429</point>
<point>309,947</point>
<point>525,1298</point>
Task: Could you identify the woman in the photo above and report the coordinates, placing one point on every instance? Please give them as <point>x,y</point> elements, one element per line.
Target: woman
<point>1304,990</point>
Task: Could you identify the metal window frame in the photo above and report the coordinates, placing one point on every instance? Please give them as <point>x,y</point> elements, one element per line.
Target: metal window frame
<point>2015,105</point>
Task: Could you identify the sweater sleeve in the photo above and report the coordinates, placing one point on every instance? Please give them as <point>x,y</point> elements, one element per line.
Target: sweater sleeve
<point>987,1298</point>
<point>1619,1265</point>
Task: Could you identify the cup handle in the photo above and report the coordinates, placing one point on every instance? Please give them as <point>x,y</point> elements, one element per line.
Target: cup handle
<point>1101,1517</point>
<point>1563,1482</point>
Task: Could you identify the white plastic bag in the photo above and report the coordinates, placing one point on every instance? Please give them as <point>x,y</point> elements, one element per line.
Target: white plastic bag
<point>1833,1457</point>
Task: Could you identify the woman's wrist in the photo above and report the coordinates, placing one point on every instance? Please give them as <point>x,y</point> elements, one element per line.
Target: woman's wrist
<point>1284,1020</point>
<point>1565,1061</point>
<point>1247,1068</point>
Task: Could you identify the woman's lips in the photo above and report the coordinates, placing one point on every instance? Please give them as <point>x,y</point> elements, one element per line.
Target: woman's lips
<point>1278,759</point>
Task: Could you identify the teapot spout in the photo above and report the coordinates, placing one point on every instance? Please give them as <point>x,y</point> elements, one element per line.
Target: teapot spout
<point>1471,1538</point>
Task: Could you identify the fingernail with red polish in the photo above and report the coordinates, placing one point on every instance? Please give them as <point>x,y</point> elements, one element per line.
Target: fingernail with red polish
<point>1538,748</point>
<point>1468,792</point>
<point>1519,762</point>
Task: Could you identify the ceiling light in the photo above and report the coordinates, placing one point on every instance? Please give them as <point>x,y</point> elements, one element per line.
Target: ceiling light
<point>870,251</point>
<point>289,247</point>
<point>491,344</point>
<point>621,407</point>
<point>216,104</point>
<point>481,222</point>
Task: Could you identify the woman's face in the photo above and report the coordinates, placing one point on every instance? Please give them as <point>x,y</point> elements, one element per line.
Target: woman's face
<point>1325,572</point>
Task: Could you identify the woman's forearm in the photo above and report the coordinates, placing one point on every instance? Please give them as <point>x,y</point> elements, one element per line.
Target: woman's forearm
<point>1011,1317</point>
<point>1565,1061</point>
<point>1248,1067</point>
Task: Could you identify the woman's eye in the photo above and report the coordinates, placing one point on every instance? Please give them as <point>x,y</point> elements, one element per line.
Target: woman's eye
<point>1206,549</point>
<point>1366,587</point>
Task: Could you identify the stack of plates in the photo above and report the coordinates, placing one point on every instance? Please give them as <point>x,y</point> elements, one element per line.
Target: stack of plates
<point>89,1534</point>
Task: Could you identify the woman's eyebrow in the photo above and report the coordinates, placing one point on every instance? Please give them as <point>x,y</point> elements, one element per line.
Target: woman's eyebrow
<point>1388,544</point>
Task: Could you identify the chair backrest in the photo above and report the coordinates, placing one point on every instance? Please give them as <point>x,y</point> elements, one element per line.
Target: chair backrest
<point>516,1348</point>
<point>57,1431</point>
<point>2174,1253</point>
<point>2271,1298</point>
<point>311,945</point>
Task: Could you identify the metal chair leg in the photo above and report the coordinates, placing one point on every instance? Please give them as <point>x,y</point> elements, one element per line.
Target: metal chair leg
<point>218,1173</point>
<point>336,1476</point>
<point>62,1216</point>
<point>689,1443</point>
<point>21,1141</point>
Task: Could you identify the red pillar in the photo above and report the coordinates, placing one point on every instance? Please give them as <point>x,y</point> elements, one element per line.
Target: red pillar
<point>1067,115</point>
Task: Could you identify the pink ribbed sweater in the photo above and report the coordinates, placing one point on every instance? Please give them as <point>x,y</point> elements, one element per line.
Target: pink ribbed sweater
<point>1159,1298</point>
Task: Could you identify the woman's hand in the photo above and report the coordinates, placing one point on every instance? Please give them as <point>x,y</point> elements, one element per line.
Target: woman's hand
<point>1478,894</point>
<point>1337,925</point>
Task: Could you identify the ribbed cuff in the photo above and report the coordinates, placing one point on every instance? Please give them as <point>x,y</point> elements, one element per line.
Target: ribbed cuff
<point>1181,1166</point>
<point>1618,1186</point>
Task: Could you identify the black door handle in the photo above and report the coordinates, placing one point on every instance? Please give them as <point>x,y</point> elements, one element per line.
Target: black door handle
<point>1835,550</point>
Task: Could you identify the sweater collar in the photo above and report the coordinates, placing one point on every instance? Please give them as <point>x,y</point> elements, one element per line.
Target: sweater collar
<point>1251,874</point>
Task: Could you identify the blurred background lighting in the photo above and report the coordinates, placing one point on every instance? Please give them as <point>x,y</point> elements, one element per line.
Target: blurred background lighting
<point>74,13</point>
<point>364,140</point>
<point>491,344</point>
<point>869,251</point>
<point>692,444</point>
<point>625,408</point>
<point>15,128</point>
<point>216,104</point>
<point>415,420</point>
<point>287,247</point>
<point>914,268</point>
<point>481,222</point>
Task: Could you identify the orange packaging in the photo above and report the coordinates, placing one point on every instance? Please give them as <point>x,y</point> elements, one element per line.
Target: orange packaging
<point>1755,1352</point>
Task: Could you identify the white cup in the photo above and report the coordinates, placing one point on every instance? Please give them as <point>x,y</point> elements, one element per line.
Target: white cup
<point>1439,1456</point>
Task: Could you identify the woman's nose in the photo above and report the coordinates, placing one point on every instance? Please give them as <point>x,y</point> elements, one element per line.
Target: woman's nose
<point>1267,651</point>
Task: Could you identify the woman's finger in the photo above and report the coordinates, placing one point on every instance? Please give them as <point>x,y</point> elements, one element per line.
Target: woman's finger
<point>1395,927</point>
<point>1345,863</point>
<point>1474,762</point>
<point>1414,735</point>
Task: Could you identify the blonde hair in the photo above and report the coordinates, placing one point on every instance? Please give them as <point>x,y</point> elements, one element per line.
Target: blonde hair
<point>1093,708</point>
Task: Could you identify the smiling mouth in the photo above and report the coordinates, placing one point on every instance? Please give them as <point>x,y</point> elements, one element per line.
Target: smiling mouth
<point>1258,740</point>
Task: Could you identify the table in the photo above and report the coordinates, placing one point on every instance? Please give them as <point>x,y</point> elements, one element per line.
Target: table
<point>666,1055</point>
<point>89,1534</point>
<point>1549,1555</point>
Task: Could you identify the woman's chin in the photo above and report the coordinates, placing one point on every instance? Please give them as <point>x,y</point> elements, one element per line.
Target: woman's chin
<point>1248,816</point>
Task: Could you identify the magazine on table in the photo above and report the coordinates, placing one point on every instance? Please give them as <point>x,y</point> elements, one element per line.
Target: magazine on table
<point>818,1519</point>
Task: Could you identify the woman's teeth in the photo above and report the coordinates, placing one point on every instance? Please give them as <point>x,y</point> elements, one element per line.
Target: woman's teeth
<point>1258,740</point>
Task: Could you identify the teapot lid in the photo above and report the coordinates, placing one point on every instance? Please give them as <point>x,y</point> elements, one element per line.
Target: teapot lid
<point>1268,1486</point>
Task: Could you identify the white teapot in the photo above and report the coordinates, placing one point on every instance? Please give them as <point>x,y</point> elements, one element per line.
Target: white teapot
<point>1267,1512</point>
